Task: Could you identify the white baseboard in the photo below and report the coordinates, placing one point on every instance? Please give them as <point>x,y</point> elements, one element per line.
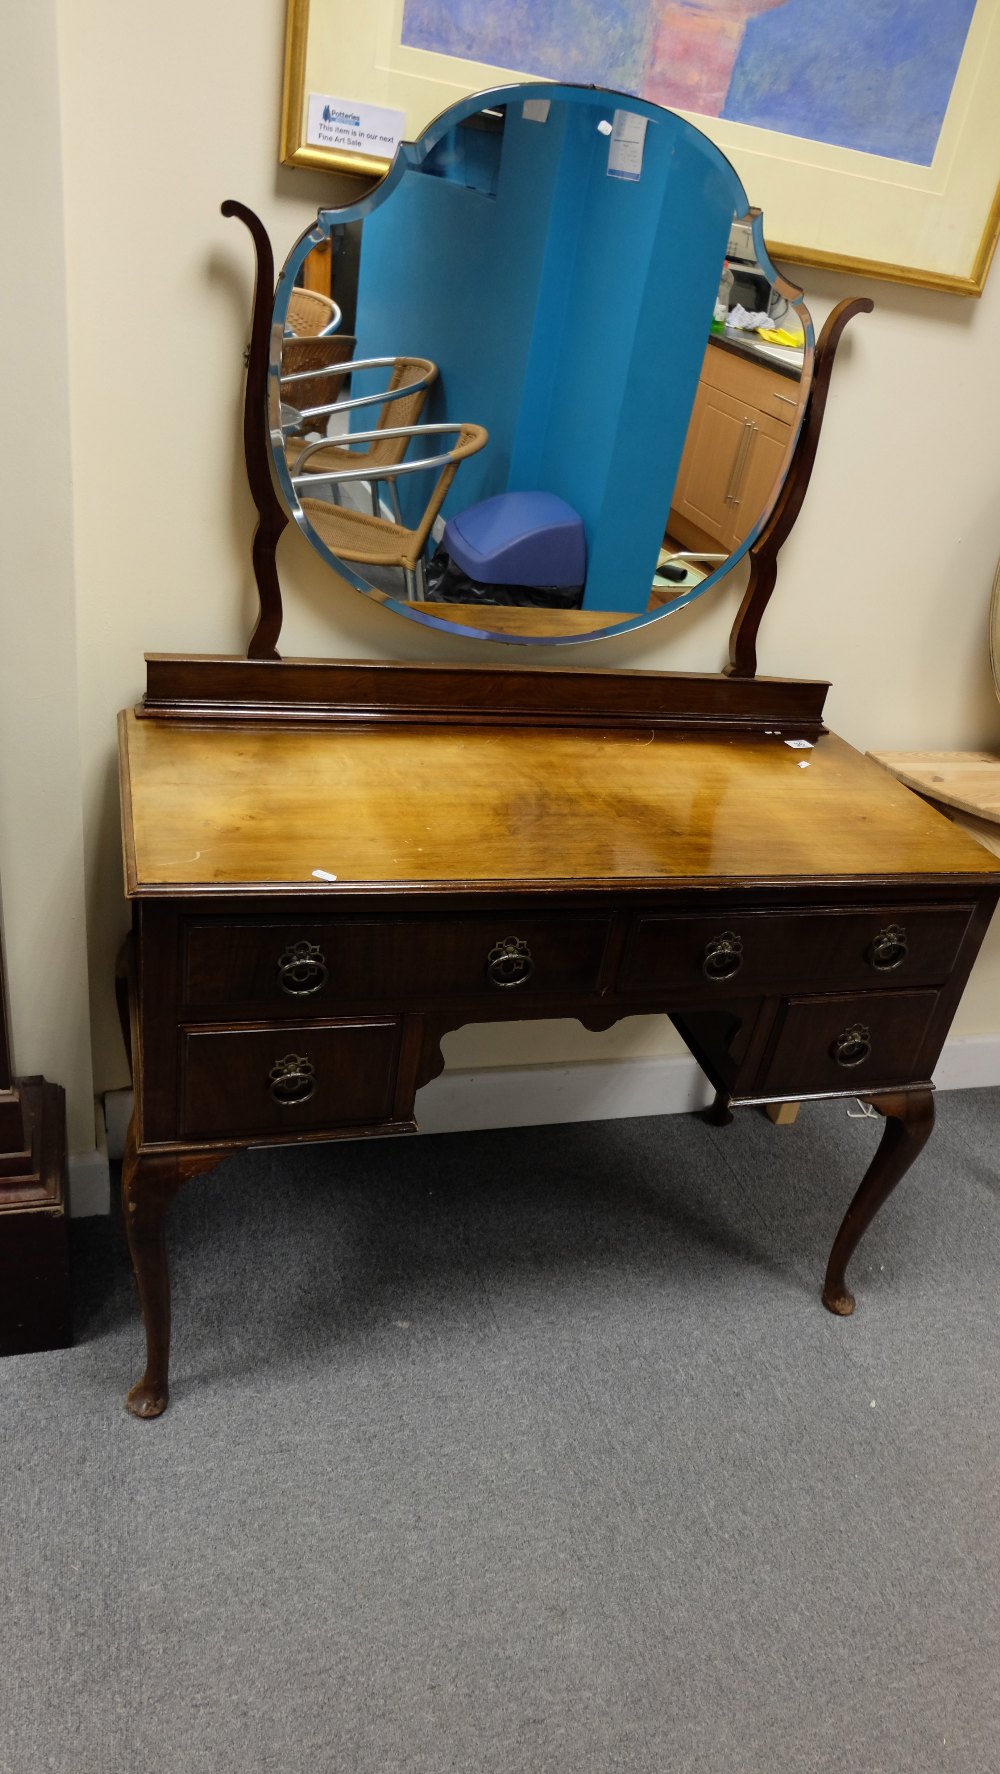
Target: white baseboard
<point>117,1115</point>
<point>969,1062</point>
<point>89,1177</point>
<point>587,1090</point>
<point>89,1184</point>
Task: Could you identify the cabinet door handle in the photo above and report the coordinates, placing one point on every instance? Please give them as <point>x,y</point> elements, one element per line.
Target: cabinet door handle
<point>509,963</point>
<point>853,1046</point>
<point>738,460</point>
<point>889,949</point>
<point>292,1079</point>
<point>723,956</point>
<point>302,969</point>
<point>789,402</point>
<point>737,497</point>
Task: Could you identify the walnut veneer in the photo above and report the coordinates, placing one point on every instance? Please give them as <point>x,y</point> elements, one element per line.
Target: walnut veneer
<point>806,922</point>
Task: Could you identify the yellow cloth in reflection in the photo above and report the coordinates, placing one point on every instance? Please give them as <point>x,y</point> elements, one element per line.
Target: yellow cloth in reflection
<point>777,335</point>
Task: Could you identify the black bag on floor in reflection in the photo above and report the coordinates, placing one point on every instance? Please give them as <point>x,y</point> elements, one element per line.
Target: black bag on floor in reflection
<point>447,584</point>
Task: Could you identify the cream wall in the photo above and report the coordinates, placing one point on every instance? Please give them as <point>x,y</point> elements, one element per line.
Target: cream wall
<point>41,822</point>
<point>165,112</point>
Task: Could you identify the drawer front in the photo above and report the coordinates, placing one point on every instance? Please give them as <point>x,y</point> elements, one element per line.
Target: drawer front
<point>288,1079</point>
<point>754,382</point>
<point>848,1043</point>
<point>748,952</point>
<point>286,968</point>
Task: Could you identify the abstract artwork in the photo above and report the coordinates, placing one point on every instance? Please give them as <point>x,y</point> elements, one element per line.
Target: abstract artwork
<point>871,75</point>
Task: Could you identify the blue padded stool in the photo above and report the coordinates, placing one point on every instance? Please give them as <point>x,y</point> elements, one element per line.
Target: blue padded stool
<point>530,539</point>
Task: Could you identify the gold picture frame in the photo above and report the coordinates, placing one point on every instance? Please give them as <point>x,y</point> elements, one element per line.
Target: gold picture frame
<point>935,227</point>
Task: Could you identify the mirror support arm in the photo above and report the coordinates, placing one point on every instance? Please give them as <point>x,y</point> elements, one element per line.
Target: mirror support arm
<point>270,512</point>
<point>764,552</point>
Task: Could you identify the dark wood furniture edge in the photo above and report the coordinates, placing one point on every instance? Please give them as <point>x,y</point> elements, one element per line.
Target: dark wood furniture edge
<point>204,687</point>
<point>35,1304</point>
<point>271,514</point>
<point>129,870</point>
<point>909,1120</point>
<point>764,552</point>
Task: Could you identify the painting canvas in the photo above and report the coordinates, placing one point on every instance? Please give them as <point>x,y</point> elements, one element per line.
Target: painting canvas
<point>868,131</point>
<point>872,75</point>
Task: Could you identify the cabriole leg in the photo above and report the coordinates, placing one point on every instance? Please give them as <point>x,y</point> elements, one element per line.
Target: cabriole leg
<point>719,1113</point>
<point>149,1183</point>
<point>909,1120</point>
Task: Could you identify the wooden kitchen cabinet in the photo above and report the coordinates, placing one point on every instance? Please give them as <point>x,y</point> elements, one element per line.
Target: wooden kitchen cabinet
<point>739,442</point>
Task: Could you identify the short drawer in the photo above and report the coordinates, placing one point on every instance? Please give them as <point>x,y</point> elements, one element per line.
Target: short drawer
<point>287,1079</point>
<point>754,381</point>
<point>848,1043</point>
<point>750,952</point>
<point>280,968</point>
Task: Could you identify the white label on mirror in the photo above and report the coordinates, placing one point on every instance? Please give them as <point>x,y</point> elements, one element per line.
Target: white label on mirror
<point>625,147</point>
<point>535,110</point>
<point>347,123</point>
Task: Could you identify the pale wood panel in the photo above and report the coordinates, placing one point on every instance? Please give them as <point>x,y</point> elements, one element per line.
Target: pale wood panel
<point>969,780</point>
<point>754,383</point>
<point>519,619</point>
<point>420,805</point>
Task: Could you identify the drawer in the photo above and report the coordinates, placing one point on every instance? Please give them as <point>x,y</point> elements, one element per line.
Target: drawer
<point>281,968</point>
<point>750,952</point>
<point>287,1079</point>
<point>753,382</point>
<point>848,1043</point>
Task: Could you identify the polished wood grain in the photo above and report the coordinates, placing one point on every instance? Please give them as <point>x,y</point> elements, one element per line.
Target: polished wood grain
<point>765,550</point>
<point>525,620</point>
<point>149,1183</point>
<point>264,807</point>
<point>271,514</point>
<point>799,950</point>
<point>227,1078</point>
<point>205,687</point>
<point>908,1125</point>
<point>237,965</point>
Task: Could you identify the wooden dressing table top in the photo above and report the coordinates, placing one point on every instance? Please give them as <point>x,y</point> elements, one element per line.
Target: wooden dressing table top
<point>223,807</point>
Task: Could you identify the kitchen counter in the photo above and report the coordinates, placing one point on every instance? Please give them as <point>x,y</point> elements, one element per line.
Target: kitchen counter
<point>783,358</point>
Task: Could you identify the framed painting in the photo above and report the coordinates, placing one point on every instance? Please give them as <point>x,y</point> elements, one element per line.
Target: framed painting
<point>868,134</point>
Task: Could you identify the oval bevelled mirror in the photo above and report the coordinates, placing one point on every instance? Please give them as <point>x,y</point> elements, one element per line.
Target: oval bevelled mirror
<point>543,384</point>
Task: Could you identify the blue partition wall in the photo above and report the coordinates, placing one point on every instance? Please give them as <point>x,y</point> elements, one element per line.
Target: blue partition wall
<point>548,308</point>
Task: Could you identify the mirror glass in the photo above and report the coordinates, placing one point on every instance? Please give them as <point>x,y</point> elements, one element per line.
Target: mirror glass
<point>543,383</point>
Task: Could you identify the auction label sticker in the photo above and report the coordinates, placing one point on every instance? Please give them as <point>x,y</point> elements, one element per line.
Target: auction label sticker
<point>360,128</point>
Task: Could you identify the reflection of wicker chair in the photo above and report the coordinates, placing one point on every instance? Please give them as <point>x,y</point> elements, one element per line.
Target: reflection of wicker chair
<point>311,314</point>
<point>374,541</point>
<point>301,355</point>
<point>401,404</point>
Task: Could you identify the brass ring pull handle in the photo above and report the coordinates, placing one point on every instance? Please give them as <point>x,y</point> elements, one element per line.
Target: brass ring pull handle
<point>853,1046</point>
<point>509,963</point>
<point>293,1079</point>
<point>302,969</point>
<point>889,949</point>
<point>723,956</point>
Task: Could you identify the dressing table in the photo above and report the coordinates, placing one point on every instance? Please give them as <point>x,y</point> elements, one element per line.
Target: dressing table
<point>332,864</point>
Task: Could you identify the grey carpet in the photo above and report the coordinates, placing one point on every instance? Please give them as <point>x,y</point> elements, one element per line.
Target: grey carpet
<point>528,1451</point>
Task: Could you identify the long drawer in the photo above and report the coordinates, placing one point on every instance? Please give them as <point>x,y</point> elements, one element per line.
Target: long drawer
<point>281,968</point>
<point>288,1078</point>
<point>762,951</point>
